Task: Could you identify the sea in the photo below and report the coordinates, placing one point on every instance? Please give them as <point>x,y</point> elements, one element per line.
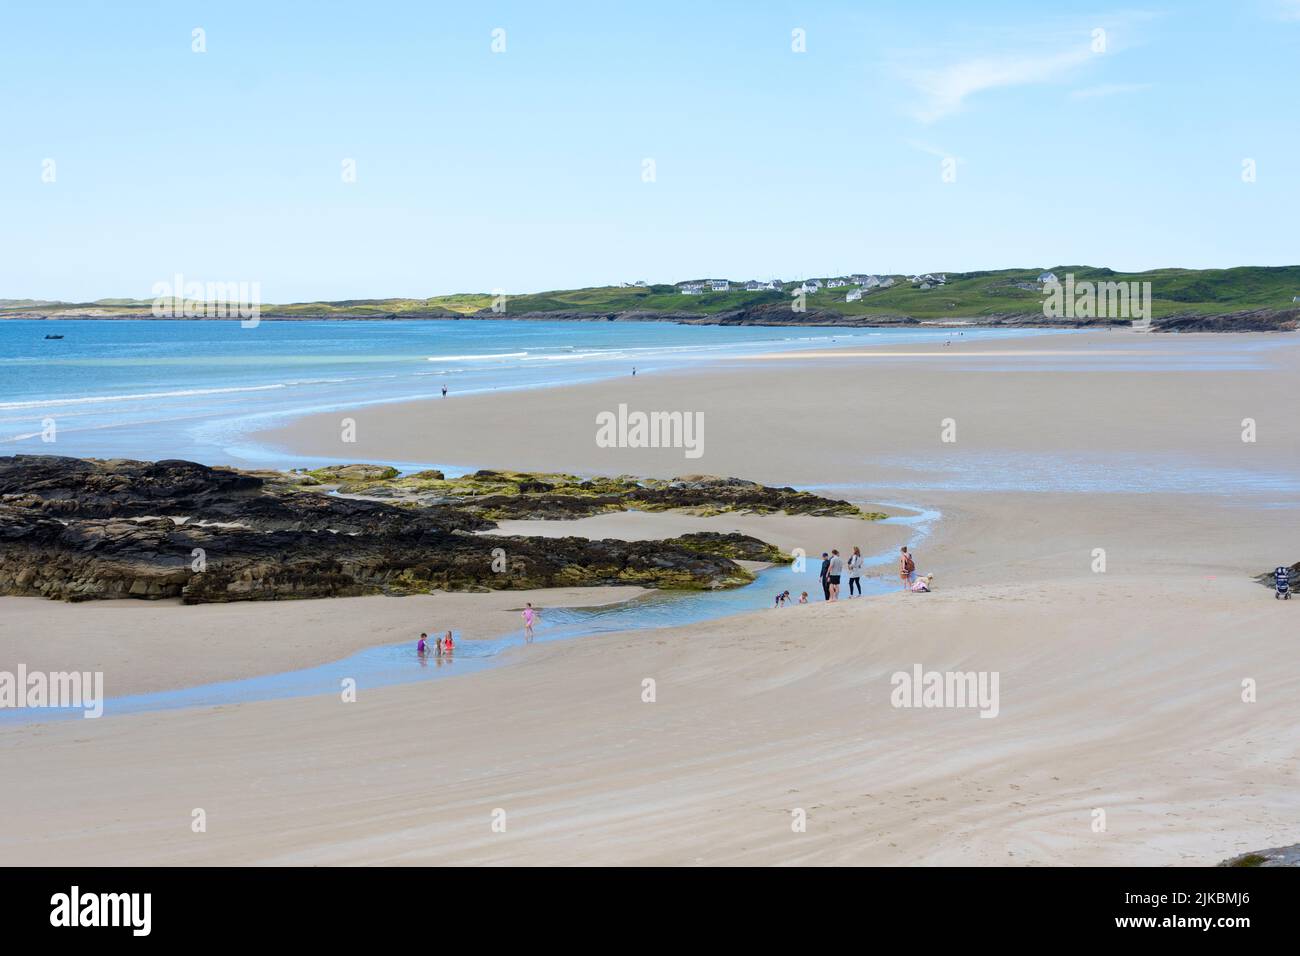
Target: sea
<point>153,389</point>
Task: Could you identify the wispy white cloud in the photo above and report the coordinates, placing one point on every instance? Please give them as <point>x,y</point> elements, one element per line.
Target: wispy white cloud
<point>946,89</point>
<point>1026,58</point>
<point>1108,89</point>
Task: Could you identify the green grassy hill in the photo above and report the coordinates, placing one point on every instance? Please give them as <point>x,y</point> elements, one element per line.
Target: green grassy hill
<point>967,295</point>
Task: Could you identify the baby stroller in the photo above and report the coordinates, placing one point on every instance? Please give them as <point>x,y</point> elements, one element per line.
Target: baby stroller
<point>1282,581</point>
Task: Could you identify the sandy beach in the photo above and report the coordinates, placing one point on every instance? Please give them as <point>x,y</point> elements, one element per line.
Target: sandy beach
<point>1121,690</point>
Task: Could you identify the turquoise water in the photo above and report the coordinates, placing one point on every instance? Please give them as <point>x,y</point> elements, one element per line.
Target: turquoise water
<point>399,664</point>
<point>176,389</point>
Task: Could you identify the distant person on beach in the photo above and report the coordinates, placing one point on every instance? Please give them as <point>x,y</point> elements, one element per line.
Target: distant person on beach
<point>634,371</point>
<point>855,572</point>
<point>448,645</point>
<point>803,598</point>
<point>833,574</point>
<point>782,599</point>
<point>530,618</point>
<point>922,585</point>
<point>906,567</point>
<point>422,645</point>
<point>444,391</point>
<point>822,574</point>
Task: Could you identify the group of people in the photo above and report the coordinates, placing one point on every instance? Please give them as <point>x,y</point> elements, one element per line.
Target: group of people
<point>439,645</point>
<point>784,598</point>
<point>835,568</point>
<point>443,646</point>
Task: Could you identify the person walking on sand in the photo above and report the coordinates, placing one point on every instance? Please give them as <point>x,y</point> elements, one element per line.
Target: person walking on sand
<point>906,567</point>
<point>444,391</point>
<point>530,618</point>
<point>855,572</point>
<point>834,573</point>
<point>822,574</point>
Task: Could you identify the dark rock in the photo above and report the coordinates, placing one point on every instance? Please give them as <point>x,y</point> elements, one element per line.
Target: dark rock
<point>340,473</point>
<point>733,544</point>
<point>1277,856</point>
<point>79,530</point>
<point>1253,320</point>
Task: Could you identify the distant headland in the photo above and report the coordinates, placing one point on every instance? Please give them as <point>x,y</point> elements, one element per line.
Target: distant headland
<point>1247,298</point>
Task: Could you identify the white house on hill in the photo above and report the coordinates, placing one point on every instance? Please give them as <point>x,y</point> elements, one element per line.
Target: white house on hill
<point>1047,277</point>
<point>853,296</point>
<point>719,285</point>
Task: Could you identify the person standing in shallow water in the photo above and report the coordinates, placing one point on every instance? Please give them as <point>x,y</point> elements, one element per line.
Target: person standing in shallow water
<point>855,572</point>
<point>530,618</point>
<point>444,391</point>
<point>834,573</point>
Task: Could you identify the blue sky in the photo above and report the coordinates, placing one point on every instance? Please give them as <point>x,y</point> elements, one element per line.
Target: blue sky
<point>523,170</point>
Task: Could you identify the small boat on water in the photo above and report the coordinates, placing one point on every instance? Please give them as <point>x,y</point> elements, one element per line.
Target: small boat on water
<point>54,336</point>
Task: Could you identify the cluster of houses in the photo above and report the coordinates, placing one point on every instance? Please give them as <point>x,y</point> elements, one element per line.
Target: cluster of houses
<point>723,285</point>
<point>863,284</point>
<point>638,284</point>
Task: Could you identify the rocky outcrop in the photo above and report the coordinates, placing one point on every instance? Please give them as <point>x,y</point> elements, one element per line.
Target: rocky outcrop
<point>185,490</point>
<point>1277,856</point>
<point>80,530</point>
<point>1254,320</point>
<point>504,495</point>
<point>738,547</point>
<point>158,558</point>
